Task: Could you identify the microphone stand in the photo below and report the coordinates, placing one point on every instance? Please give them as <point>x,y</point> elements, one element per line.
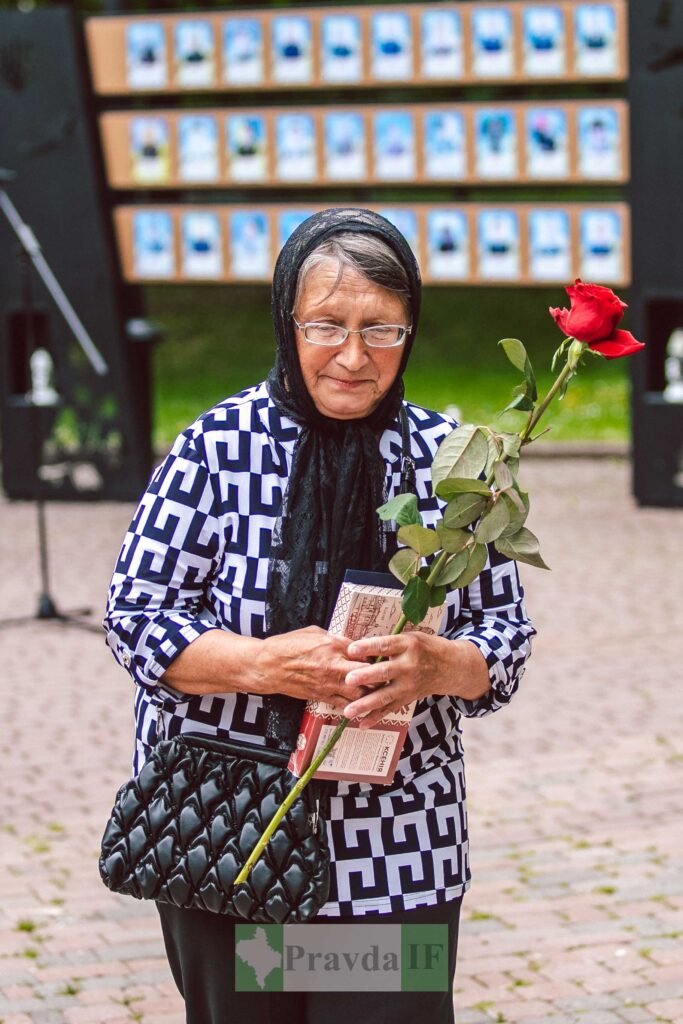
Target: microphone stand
<point>42,395</point>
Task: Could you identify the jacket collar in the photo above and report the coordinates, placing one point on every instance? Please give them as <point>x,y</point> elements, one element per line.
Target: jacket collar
<point>285,431</point>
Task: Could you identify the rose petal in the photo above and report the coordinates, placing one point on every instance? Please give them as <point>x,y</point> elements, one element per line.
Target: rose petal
<point>560,317</point>
<point>621,343</point>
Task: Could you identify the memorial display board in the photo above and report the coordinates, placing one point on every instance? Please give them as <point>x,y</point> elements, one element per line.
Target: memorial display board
<point>364,45</point>
<point>568,141</point>
<point>468,243</point>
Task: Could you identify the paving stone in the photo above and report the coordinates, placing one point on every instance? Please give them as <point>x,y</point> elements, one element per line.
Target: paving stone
<point>572,789</point>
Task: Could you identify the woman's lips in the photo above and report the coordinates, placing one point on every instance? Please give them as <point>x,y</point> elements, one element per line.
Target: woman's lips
<point>347,385</point>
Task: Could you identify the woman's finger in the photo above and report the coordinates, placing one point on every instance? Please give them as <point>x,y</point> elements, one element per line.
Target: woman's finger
<point>377,646</point>
<point>374,675</point>
<point>379,700</point>
<point>375,717</point>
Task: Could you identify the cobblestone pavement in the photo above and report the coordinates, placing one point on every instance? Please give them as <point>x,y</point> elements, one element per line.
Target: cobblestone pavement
<point>576,802</point>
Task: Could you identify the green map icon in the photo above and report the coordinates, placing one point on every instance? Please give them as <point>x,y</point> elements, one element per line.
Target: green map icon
<point>258,958</point>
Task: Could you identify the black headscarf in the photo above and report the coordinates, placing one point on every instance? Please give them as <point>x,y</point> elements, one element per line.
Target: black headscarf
<point>328,521</point>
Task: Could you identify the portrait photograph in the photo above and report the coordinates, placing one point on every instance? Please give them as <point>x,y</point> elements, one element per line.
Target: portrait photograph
<point>198,157</point>
<point>242,51</point>
<point>547,145</point>
<point>595,40</point>
<point>544,43</point>
<point>201,247</point>
<point>441,45</point>
<point>250,256</point>
<point>394,145</point>
<point>495,143</point>
<point>341,56</point>
<point>153,254</point>
<point>550,250</point>
<point>295,148</point>
<point>599,143</point>
<point>289,221</point>
<point>392,45</point>
<point>345,147</point>
<point>492,42</point>
<point>498,246</point>
<point>601,243</point>
<point>194,48</point>
<point>149,145</point>
<point>445,145</point>
<point>246,147</point>
<point>448,245</point>
<point>291,51</point>
<point>146,64</point>
<point>406,222</point>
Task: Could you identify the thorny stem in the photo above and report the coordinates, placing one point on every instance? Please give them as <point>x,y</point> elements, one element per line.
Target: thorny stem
<point>566,373</point>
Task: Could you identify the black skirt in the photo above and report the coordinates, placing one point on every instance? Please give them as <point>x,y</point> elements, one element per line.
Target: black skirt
<point>201,952</point>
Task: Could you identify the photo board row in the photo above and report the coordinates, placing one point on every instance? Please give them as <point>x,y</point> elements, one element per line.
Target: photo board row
<point>479,143</point>
<point>485,244</point>
<point>366,45</point>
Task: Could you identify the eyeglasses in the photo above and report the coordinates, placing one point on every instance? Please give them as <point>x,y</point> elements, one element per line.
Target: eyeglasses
<point>378,336</point>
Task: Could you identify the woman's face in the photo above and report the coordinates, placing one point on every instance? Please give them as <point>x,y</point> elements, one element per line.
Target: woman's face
<point>349,381</point>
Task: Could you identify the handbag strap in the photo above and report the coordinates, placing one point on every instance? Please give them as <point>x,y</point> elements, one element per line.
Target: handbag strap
<point>407,460</point>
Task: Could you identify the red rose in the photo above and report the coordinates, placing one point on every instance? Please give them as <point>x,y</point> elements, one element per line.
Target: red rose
<point>593,317</point>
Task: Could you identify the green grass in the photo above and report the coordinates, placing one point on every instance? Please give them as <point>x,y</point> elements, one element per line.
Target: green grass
<point>220,340</point>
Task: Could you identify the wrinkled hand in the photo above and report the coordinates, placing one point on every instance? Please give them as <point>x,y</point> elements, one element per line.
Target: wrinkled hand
<point>417,665</point>
<point>309,664</point>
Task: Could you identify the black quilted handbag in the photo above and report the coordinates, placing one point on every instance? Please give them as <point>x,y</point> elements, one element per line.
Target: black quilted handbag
<point>181,830</point>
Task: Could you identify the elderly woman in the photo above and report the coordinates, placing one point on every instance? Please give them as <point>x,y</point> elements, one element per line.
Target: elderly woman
<point>226,581</point>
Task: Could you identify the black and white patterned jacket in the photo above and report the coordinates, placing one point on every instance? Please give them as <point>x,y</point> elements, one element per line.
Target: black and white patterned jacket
<point>196,558</point>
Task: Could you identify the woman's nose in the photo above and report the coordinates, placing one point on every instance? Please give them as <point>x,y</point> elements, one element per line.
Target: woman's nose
<point>354,353</point>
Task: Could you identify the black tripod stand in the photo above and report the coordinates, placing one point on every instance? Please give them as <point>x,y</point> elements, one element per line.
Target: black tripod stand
<point>42,396</point>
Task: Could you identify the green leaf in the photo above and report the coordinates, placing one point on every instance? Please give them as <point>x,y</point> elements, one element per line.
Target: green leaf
<point>495,449</point>
<point>463,510</point>
<point>576,351</point>
<point>475,563</point>
<point>462,454</point>
<point>559,352</point>
<point>404,564</point>
<point>402,509</point>
<point>452,540</point>
<point>523,547</point>
<point>415,602</point>
<point>453,567</point>
<point>521,402</point>
<point>515,351</point>
<point>563,390</point>
<point>517,354</point>
<point>419,538</point>
<point>511,445</point>
<point>492,524</point>
<point>437,596</point>
<point>518,512</point>
<point>502,475</point>
<point>514,497</point>
<point>453,485</point>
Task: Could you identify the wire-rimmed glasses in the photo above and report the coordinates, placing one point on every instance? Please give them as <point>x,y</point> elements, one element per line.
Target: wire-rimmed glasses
<point>376,336</point>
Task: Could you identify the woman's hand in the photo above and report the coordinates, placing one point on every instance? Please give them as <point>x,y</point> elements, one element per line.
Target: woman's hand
<point>417,665</point>
<point>310,664</point>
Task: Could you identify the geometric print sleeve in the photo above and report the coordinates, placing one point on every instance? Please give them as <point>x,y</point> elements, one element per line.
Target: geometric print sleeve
<point>172,547</point>
<point>492,616</point>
